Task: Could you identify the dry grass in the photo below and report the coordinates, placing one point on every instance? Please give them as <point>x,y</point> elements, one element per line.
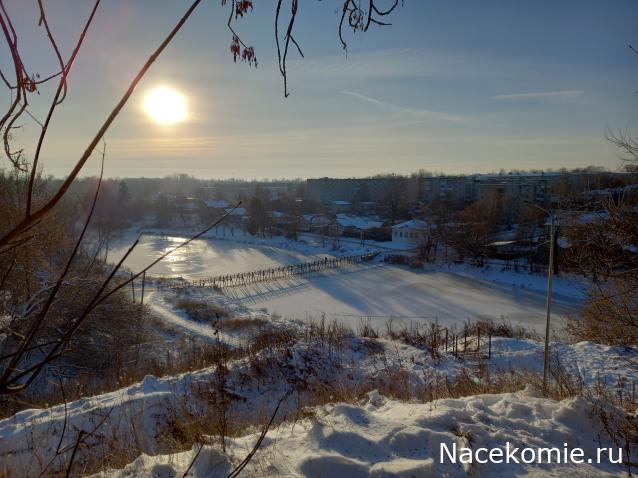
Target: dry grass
<point>616,408</point>
<point>367,330</point>
<point>310,361</point>
<point>217,316</point>
<point>200,311</point>
<point>609,315</point>
<point>240,324</point>
<point>503,328</point>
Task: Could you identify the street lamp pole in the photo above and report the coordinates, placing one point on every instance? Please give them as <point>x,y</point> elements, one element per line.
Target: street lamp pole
<point>550,275</point>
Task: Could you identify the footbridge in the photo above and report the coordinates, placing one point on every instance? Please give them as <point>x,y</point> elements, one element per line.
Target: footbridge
<point>263,275</point>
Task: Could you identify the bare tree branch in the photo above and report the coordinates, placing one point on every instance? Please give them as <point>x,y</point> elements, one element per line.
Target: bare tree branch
<point>53,201</point>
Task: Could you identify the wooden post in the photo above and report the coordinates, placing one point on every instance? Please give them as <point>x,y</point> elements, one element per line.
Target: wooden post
<point>489,346</point>
<point>133,287</point>
<point>143,284</point>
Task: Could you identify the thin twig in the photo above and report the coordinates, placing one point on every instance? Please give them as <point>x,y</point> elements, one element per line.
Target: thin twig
<point>239,468</point>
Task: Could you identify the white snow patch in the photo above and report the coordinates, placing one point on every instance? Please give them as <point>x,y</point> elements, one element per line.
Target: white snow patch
<point>386,438</point>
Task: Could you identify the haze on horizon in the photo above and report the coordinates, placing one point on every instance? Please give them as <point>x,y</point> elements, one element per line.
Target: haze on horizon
<point>456,88</point>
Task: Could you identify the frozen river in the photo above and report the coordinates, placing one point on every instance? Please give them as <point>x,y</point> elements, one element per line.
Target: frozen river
<point>371,290</point>
<point>202,257</point>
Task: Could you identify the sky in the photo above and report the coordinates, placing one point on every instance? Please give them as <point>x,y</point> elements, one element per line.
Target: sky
<point>451,86</point>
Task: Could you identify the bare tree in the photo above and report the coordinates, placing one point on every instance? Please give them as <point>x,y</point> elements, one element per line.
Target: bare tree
<point>605,248</point>
<point>474,226</point>
<point>395,197</point>
<point>626,142</point>
<point>32,204</point>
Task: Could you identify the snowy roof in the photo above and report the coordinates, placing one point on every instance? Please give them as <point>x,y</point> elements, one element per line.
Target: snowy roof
<point>411,224</point>
<point>357,222</point>
<point>216,203</point>
<point>341,203</point>
<point>501,243</point>
<point>240,211</point>
<point>316,219</point>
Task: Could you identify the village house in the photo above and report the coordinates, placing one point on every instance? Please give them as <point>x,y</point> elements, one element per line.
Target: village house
<point>353,225</point>
<point>410,233</point>
<point>314,222</point>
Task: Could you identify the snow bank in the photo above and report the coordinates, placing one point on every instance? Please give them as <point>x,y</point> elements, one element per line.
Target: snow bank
<point>137,419</point>
<point>371,439</point>
<point>385,438</point>
<point>565,286</point>
<point>592,363</point>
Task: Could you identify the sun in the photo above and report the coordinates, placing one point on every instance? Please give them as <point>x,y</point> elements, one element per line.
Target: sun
<point>165,105</point>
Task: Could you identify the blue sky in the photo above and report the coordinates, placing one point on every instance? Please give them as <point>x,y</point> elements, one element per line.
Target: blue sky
<point>452,86</point>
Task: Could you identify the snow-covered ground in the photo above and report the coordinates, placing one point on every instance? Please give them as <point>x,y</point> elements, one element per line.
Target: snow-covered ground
<point>382,292</point>
<point>386,438</point>
<point>137,426</point>
<point>380,437</point>
<point>449,294</point>
<point>377,437</point>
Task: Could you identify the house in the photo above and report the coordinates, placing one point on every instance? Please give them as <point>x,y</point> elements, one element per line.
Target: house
<point>236,217</point>
<point>213,208</point>
<point>356,224</point>
<point>215,204</point>
<point>360,227</point>
<point>280,219</point>
<point>314,223</point>
<point>410,233</point>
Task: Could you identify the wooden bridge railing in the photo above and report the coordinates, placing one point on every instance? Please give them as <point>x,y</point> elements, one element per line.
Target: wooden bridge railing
<point>262,275</point>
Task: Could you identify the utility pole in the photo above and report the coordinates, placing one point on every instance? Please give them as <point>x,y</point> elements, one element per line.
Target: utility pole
<point>550,275</point>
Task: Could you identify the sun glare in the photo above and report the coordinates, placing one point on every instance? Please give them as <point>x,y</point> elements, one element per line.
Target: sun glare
<point>165,105</point>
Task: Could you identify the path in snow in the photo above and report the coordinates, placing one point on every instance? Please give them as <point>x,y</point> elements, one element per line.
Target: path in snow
<point>157,303</point>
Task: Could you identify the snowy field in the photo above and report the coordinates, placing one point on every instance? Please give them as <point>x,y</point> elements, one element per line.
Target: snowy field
<point>447,294</point>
